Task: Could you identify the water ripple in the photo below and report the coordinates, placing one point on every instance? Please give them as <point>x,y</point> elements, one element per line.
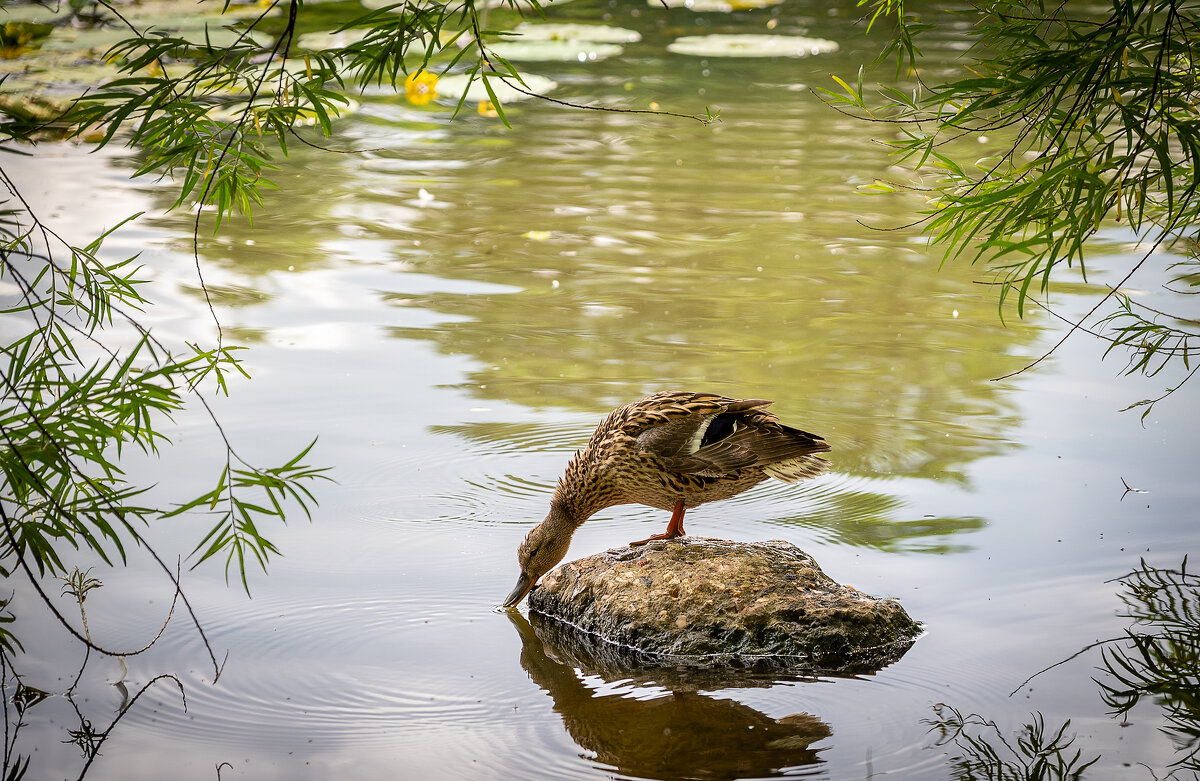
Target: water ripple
<point>301,670</point>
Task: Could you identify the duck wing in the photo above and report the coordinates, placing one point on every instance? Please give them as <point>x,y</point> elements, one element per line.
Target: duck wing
<point>713,436</point>
<point>777,449</point>
<point>675,424</point>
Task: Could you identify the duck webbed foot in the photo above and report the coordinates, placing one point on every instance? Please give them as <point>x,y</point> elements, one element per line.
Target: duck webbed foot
<point>674,528</point>
<point>652,537</point>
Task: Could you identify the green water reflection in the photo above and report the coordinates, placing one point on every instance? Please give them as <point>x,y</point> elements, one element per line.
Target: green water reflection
<point>597,257</point>
<point>818,314</point>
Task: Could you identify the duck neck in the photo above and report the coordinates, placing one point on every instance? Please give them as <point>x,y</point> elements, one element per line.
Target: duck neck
<point>563,515</point>
<point>580,493</point>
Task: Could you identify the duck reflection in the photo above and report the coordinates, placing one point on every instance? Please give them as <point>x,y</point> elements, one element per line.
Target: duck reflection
<point>686,734</point>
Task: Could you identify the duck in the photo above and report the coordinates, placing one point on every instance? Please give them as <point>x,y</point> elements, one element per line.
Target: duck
<point>673,450</point>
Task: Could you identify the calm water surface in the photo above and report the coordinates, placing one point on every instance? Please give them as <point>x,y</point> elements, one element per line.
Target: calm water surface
<point>452,312</point>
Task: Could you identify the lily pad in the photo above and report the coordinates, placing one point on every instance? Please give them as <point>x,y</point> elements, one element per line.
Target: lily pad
<point>73,57</point>
<point>16,38</point>
<point>173,14</point>
<point>332,40</point>
<point>262,74</point>
<point>97,41</point>
<point>58,78</point>
<point>34,14</point>
<point>554,51</point>
<point>751,46</point>
<point>308,118</point>
<point>33,108</point>
<point>716,6</point>
<point>94,41</point>
<point>522,6</point>
<point>452,87</point>
<point>596,33</point>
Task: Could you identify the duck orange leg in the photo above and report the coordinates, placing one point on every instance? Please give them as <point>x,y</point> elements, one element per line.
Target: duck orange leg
<point>674,528</point>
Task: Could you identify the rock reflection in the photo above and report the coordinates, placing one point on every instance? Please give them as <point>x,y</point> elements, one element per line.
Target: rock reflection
<point>684,734</point>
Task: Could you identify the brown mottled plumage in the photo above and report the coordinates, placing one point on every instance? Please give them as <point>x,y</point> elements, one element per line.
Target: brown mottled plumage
<point>672,450</point>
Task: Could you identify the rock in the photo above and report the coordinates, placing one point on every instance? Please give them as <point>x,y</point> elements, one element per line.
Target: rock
<point>609,662</point>
<point>702,601</point>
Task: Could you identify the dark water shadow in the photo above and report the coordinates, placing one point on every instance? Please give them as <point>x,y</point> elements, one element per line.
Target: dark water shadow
<point>685,733</point>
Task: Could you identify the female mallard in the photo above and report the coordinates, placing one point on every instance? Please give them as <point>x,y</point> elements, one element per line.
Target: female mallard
<point>672,450</point>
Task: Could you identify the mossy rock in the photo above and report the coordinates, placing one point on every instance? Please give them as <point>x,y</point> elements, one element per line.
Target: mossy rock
<point>704,601</point>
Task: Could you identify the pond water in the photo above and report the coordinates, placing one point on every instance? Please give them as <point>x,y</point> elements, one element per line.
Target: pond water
<point>453,310</point>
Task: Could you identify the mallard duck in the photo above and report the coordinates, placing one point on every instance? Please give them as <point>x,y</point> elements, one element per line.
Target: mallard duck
<point>672,451</point>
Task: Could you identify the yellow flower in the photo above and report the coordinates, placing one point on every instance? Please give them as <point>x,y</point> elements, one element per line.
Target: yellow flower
<point>420,86</point>
<point>16,34</point>
<point>14,40</point>
<point>488,109</point>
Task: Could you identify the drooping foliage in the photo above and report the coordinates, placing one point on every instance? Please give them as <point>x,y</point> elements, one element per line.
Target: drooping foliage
<point>1096,112</point>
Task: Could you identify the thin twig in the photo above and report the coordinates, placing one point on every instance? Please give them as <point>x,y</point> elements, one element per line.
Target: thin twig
<point>1079,324</point>
<point>121,714</point>
<point>1075,655</point>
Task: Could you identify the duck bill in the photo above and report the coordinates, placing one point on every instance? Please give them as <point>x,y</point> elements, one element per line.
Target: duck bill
<point>524,584</point>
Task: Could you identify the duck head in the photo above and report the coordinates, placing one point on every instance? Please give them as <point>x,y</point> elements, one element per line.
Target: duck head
<point>544,546</point>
